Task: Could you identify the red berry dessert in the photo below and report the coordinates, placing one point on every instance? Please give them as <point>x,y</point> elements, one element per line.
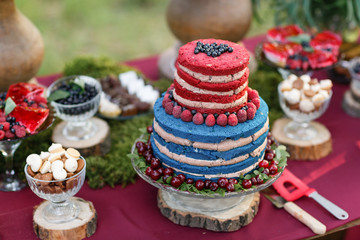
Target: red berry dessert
<point>289,47</point>
<point>23,110</point>
<point>210,125</point>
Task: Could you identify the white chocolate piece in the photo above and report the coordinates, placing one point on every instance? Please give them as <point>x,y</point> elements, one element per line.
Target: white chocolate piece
<point>326,84</point>
<point>34,161</point>
<point>45,168</point>
<point>293,96</point>
<point>315,87</point>
<point>59,174</point>
<point>306,78</point>
<point>54,156</point>
<point>286,86</point>
<point>44,155</point>
<point>55,147</point>
<point>306,106</point>
<point>58,164</point>
<point>71,165</point>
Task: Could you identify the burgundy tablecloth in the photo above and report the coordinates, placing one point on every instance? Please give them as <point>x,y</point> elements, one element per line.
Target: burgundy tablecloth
<point>132,213</point>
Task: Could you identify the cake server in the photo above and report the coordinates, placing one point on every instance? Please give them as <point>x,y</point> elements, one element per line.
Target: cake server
<point>302,189</point>
<point>315,225</point>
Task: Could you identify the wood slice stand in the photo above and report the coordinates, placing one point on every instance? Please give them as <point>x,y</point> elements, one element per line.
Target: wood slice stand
<point>312,149</point>
<point>97,145</point>
<point>186,211</point>
<point>81,227</point>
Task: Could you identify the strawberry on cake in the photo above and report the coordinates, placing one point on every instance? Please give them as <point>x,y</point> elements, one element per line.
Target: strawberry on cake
<point>210,124</point>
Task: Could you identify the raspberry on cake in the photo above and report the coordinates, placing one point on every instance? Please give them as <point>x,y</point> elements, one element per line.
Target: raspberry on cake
<point>217,126</point>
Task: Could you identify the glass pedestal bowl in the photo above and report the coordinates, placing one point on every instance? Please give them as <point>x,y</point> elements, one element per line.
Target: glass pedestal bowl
<point>77,116</point>
<point>59,208</point>
<point>9,181</point>
<point>301,128</point>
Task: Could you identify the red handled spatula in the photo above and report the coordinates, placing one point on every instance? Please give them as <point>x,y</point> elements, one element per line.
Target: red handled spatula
<point>302,189</point>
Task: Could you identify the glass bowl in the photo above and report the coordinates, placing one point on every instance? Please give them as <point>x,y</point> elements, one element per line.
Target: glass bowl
<point>60,207</point>
<point>301,128</point>
<point>78,126</point>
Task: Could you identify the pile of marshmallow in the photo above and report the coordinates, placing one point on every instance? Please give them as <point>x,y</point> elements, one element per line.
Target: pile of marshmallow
<point>56,164</point>
<point>304,93</point>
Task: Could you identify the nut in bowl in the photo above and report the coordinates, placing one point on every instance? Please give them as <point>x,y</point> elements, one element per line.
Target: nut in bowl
<point>76,99</point>
<point>56,176</point>
<point>303,99</point>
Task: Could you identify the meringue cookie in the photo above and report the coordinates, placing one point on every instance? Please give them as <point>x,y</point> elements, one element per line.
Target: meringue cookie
<point>59,174</point>
<point>54,156</point>
<point>292,77</point>
<point>286,86</point>
<point>45,168</point>
<point>306,106</point>
<point>315,87</point>
<point>326,84</point>
<point>44,155</point>
<point>34,161</point>
<point>73,153</point>
<point>58,164</point>
<point>55,147</point>
<point>71,165</point>
<point>306,78</point>
<point>318,99</point>
<point>292,96</point>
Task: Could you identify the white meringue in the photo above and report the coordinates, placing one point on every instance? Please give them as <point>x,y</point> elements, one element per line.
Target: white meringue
<point>58,164</point>
<point>59,174</point>
<point>71,165</point>
<point>34,161</point>
<point>45,168</point>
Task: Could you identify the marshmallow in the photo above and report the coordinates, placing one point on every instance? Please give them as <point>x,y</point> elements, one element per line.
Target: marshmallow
<point>55,147</point>
<point>306,106</point>
<point>58,164</point>
<point>34,161</point>
<point>44,155</point>
<point>59,174</point>
<point>45,168</point>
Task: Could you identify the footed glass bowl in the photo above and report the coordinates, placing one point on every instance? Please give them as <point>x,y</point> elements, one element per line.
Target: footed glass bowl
<point>301,128</point>
<point>78,126</point>
<point>59,209</point>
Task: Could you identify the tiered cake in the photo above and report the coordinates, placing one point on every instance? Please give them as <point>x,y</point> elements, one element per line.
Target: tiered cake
<point>210,124</point>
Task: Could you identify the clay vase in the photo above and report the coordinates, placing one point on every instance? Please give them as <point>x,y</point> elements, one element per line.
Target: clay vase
<point>222,19</point>
<point>21,46</point>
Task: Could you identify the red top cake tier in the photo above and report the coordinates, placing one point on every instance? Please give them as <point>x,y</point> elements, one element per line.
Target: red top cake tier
<point>225,64</point>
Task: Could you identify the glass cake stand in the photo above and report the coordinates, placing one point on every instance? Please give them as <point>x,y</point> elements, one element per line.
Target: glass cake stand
<point>9,181</point>
<point>200,203</point>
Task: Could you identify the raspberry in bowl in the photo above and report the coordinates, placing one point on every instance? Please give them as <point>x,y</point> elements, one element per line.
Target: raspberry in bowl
<point>76,99</point>
<point>56,175</point>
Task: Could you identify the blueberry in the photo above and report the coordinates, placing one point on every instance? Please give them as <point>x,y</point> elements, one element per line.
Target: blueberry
<point>245,108</point>
<point>221,50</point>
<point>1,127</point>
<point>183,108</point>
<point>12,130</point>
<point>205,115</point>
<point>230,49</point>
<point>208,53</point>
<point>193,112</point>
<point>216,115</point>
<point>196,51</point>
<point>214,54</point>
<point>227,114</point>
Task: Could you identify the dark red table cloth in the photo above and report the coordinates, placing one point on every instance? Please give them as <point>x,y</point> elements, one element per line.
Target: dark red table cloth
<point>132,213</point>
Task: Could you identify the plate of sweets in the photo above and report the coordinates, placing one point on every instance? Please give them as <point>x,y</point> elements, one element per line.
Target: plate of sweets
<point>291,48</point>
<point>126,96</point>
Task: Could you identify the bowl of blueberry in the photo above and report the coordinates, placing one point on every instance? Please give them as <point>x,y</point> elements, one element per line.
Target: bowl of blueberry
<point>76,99</point>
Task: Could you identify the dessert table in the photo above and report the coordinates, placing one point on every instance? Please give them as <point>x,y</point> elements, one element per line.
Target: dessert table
<point>132,212</point>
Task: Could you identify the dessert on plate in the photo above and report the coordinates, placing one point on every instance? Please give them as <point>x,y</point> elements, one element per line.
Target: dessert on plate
<point>291,48</point>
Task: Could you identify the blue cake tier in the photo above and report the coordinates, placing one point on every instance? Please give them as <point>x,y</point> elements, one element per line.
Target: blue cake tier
<point>202,152</point>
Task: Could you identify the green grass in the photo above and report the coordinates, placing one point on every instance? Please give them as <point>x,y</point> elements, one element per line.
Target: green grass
<point>119,29</point>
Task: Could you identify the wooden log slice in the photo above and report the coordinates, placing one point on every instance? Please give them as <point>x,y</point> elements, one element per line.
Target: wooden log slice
<point>97,145</point>
<point>350,105</point>
<point>312,149</point>
<point>225,220</point>
<point>81,227</point>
